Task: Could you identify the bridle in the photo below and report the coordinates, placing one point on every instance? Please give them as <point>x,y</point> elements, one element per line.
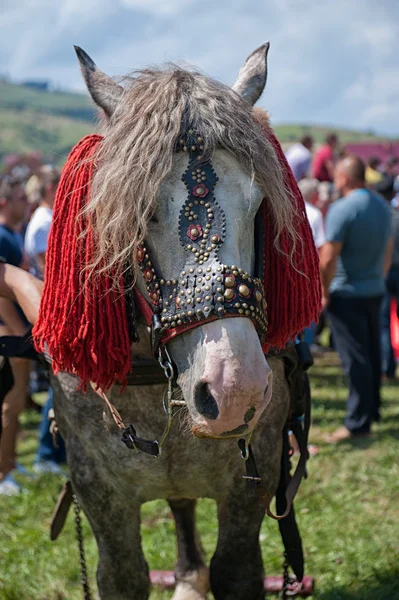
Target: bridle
<point>205,289</point>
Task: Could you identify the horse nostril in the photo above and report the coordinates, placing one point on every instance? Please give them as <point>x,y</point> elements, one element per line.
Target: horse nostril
<point>265,392</point>
<point>205,403</point>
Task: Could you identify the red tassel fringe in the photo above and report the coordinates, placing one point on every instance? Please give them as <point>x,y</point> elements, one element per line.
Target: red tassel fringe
<point>83,321</point>
<point>292,285</point>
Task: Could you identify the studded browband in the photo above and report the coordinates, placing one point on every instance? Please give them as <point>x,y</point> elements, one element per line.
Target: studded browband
<point>205,289</point>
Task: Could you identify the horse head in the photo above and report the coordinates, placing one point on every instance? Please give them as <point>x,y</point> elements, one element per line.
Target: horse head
<point>181,176</point>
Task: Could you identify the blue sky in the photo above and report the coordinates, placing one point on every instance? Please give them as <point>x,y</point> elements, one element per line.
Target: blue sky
<point>331,61</point>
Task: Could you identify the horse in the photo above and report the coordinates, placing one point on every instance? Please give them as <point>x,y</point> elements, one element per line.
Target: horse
<point>155,125</point>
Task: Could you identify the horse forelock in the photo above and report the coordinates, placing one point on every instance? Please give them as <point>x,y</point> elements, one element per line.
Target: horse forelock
<point>138,151</point>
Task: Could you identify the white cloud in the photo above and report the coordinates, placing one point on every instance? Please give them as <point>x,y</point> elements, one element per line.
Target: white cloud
<point>332,62</point>
<point>158,7</point>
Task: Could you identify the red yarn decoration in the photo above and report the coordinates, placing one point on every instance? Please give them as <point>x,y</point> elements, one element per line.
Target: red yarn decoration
<point>292,285</point>
<point>83,322</point>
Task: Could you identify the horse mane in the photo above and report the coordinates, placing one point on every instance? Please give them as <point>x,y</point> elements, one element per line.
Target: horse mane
<point>137,153</point>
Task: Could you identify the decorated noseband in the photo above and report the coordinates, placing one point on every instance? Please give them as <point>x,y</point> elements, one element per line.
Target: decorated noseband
<point>205,289</point>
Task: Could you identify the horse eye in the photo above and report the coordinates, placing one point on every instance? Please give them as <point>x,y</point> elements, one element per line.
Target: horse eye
<point>154,219</point>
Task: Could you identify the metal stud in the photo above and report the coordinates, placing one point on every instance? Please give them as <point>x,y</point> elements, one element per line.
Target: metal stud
<point>244,290</point>
<point>208,287</point>
<point>208,277</point>
<point>191,270</point>
<point>220,309</point>
<point>190,313</point>
<point>258,296</point>
<point>220,298</point>
<point>229,282</point>
<point>207,298</point>
<point>229,294</point>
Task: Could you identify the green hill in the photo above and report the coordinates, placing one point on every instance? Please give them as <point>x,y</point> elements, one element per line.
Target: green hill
<point>291,133</point>
<point>53,122</point>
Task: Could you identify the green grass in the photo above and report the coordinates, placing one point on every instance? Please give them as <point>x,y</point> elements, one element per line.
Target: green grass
<point>348,513</point>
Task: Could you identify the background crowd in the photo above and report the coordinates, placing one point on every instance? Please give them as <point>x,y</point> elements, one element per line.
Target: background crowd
<point>27,193</point>
<point>353,210</point>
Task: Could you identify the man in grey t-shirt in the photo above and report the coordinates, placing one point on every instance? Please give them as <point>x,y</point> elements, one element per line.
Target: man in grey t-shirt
<point>354,263</point>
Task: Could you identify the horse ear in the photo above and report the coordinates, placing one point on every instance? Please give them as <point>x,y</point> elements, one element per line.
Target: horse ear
<point>102,88</point>
<point>251,79</point>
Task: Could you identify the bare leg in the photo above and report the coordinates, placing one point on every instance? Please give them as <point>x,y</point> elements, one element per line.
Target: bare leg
<point>13,405</point>
<point>236,568</point>
<point>192,575</point>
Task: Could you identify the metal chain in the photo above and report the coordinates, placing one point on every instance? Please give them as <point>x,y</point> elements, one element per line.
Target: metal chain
<point>286,578</point>
<point>79,536</point>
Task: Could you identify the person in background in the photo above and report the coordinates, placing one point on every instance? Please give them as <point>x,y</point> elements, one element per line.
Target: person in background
<point>354,262</point>
<point>385,187</point>
<point>373,175</point>
<point>299,157</point>
<point>309,190</point>
<point>310,193</point>
<point>48,458</point>
<point>323,160</point>
<point>12,212</point>
<point>390,168</point>
<point>38,229</point>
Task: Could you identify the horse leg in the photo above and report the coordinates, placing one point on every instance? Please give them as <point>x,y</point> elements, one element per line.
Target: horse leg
<point>236,569</point>
<point>192,576</point>
<point>122,572</point>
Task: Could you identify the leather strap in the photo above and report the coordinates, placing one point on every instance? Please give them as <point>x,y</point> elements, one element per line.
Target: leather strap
<point>132,441</point>
<point>61,510</point>
<point>288,527</point>
<point>255,486</point>
<point>146,371</point>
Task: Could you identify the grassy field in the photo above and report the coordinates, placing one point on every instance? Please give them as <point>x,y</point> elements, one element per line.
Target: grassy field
<point>348,512</point>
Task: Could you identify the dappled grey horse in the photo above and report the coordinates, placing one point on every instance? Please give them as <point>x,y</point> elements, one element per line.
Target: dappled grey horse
<point>223,379</point>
